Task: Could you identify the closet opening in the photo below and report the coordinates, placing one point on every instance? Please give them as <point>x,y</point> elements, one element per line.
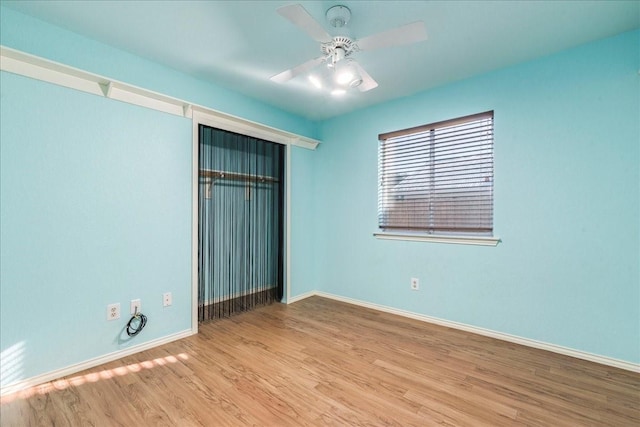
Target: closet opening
<point>240,223</point>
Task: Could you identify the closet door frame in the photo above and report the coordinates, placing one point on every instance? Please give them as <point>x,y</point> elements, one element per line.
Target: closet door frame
<point>256,131</point>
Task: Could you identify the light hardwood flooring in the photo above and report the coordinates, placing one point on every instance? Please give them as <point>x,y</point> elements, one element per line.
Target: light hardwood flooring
<point>322,362</point>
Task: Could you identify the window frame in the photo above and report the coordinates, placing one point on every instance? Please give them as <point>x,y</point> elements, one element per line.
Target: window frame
<point>417,234</point>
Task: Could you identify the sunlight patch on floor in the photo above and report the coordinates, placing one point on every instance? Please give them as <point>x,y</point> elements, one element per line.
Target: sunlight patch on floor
<point>91,377</point>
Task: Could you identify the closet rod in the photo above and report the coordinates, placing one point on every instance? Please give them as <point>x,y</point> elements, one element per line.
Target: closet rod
<point>236,175</point>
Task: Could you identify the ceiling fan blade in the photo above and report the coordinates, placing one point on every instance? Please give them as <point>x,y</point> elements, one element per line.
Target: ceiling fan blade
<point>410,33</point>
<point>287,75</point>
<point>367,81</point>
<point>299,17</point>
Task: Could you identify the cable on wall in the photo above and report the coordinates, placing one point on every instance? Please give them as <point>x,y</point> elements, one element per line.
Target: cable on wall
<point>136,324</point>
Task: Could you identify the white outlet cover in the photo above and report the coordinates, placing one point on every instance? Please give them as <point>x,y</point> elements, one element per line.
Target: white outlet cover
<point>113,311</point>
<point>135,303</point>
<point>167,299</point>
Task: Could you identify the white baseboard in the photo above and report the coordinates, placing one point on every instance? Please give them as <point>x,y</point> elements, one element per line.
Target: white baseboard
<point>603,360</point>
<point>69,370</point>
<point>291,300</point>
<point>91,363</point>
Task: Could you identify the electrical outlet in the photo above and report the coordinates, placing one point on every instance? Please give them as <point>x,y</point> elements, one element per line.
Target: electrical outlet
<point>166,299</point>
<point>415,284</point>
<point>136,306</point>
<point>113,311</point>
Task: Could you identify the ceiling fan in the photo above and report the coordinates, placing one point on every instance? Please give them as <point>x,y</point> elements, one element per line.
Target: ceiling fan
<point>337,50</point>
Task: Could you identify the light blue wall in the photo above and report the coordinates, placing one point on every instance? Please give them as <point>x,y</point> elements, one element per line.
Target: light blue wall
<point>95,208</point>
<point>567,191</point>
<point>95,202</point>
<point>303,222</point>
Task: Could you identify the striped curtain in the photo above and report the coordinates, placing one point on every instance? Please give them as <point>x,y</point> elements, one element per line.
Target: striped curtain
<point>240,230</point>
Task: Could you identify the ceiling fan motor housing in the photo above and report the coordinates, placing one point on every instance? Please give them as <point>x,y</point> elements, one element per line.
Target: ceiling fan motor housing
<point>339,48</point>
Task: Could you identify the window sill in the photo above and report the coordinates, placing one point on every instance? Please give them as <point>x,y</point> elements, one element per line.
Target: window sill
<point>460,240</point>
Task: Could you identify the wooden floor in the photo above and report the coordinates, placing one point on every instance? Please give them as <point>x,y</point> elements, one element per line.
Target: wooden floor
<point>321,362</point>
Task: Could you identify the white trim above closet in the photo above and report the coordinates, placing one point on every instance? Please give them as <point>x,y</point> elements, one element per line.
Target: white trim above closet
<point>24,64</point>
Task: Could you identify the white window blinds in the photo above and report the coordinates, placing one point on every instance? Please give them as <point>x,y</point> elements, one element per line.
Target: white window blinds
<point>438,178</point>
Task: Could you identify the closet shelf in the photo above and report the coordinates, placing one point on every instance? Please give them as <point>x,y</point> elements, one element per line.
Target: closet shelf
<point>236,176</point>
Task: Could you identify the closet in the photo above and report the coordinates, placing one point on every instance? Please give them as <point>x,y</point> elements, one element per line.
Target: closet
<point>241,223</point>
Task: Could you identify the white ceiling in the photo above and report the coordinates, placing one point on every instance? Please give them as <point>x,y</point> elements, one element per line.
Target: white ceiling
<point>240,44</point>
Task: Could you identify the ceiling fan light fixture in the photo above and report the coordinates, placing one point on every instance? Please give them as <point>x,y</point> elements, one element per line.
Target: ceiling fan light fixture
<point>356,79</point>
<point>355,82</point>
<point>347,74</point>
<point>344,77</point>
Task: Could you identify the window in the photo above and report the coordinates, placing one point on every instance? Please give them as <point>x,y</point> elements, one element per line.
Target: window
<point>437,179</point>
